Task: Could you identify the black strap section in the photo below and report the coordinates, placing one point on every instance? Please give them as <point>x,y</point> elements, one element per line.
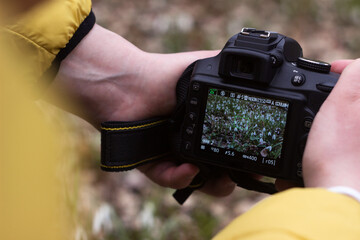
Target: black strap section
<point>127,145</point>
<point>246,181</point>
<point>80,33</point>
<point>182,195</point>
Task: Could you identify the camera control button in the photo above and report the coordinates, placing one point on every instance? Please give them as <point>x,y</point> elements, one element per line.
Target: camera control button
<point>276,61</point>
<point>312,65</point>
<point>187,146</point>
<point>194,101</point>
<point>192,117</point>
<point>196,87</point>
<point>189,131</point>
<point>326,86</point>
<point>307,123</point>
<point>298,79</point>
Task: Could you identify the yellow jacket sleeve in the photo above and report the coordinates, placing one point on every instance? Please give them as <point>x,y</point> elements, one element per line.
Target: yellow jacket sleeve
<point>48,32</point>
<point>298,214</point>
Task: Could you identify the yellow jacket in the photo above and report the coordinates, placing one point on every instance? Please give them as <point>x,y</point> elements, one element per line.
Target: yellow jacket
<point>31,202</point>
<point>48,32</point>
<point>298,214</point>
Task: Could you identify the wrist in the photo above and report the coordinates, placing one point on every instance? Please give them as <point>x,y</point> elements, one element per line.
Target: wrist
<point>99,76</point>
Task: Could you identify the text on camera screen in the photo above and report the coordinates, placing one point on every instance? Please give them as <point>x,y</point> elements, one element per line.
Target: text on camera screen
<point>244,125</point>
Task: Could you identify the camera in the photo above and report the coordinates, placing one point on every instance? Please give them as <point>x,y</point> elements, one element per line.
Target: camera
<point>250,108</point>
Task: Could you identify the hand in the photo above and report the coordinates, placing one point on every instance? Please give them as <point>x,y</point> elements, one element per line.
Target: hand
<point>281,184</point>
<point>332,151</point>
<point>112,80</point>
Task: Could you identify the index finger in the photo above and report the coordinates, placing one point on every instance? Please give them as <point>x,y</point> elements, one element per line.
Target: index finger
<point>338,66</point>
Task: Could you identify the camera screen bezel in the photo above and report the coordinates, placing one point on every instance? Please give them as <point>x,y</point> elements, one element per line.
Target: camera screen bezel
<point>293,120</point>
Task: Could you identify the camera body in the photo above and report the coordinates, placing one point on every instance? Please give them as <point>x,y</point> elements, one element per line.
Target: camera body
<point>250,108</point>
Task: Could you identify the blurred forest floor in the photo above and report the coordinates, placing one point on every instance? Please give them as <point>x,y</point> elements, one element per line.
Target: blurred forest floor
<point>134,207</point>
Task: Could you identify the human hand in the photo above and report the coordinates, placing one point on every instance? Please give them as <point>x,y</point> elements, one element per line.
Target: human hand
<point>112,80</point>
<point>337,67</point>
<point>331,156</point>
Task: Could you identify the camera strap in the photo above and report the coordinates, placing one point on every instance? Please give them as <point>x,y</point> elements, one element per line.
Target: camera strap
<point>127,145</point>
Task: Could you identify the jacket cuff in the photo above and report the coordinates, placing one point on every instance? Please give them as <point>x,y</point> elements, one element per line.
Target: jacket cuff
<point>80,33</point>
<point>47,33</point>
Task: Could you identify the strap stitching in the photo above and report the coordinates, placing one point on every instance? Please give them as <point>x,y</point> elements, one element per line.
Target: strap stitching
<point>134,127</point>
<point>137,163</point>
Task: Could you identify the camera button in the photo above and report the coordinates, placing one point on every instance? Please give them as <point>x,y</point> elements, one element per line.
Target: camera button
<point>312,65</point>
<point>187,146</point>
<point>196,87</point>
<point>189,131</point>
<point>307,123</point>
<point>326,86</point>
<point>298,80</point>
<point>276,61</point>
<point>194,101</point>
<point>192,117</point>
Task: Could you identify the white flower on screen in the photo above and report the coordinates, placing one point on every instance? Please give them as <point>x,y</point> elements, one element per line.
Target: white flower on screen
<point>265,151</point>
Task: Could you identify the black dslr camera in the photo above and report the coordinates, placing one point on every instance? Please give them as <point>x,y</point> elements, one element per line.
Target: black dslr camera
<point>250,108</point>
<point>246,111</point>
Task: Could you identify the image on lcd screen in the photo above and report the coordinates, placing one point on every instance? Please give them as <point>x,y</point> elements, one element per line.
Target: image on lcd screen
<point>244,123</point>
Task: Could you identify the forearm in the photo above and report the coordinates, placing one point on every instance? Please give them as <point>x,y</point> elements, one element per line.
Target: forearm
<point>101,65</point>
<point>110,79</point>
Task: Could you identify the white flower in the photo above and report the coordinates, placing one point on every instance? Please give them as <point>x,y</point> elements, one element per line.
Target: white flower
<point>147,215</point>
<point>102,222</point>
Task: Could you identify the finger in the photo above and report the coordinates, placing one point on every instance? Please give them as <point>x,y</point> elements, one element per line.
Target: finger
<point>348,83</point>
<point>168,174</point>
<point>219,187</point>
<point>338,66</point>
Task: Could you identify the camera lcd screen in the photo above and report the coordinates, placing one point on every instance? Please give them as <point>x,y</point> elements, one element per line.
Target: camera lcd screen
<point>244,126</point>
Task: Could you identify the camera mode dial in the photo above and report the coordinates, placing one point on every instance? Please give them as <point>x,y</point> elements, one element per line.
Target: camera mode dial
<point>313,65</point>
